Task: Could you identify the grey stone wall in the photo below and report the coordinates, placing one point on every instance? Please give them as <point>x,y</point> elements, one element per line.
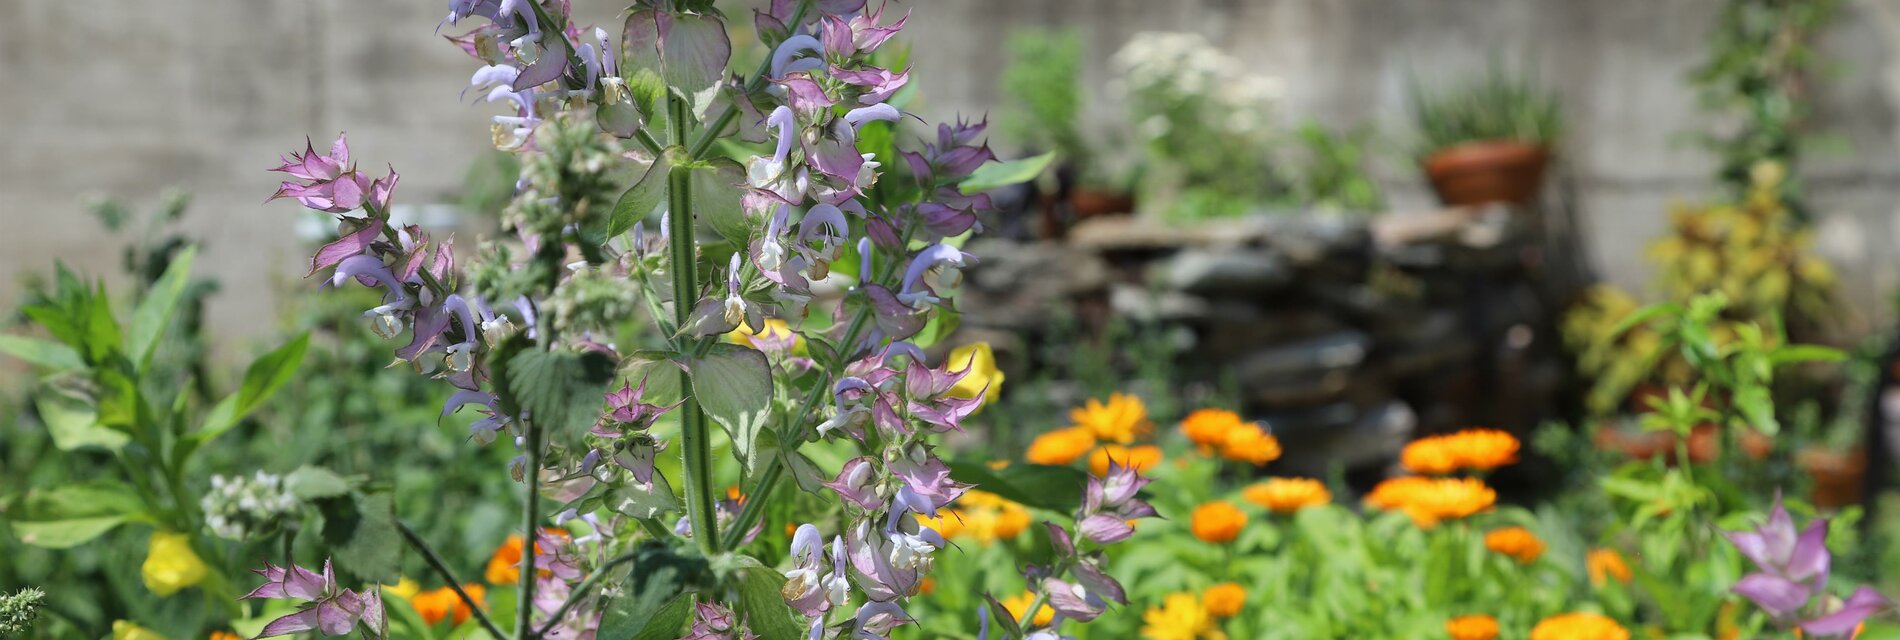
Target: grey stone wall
<point>126,98</point>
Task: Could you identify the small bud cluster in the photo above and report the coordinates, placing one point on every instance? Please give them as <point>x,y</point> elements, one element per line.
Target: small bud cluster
<point>239,507</point>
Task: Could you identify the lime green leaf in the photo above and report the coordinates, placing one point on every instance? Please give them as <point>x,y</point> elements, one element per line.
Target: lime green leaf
<point>641,199</point>
<point>733,384</point>
<point>666,624</point>
<point>658,371</point>
<point>652,502</point>
<point>154,313</point>
<point>763,608</point>
<point>716,199</point>
<point>42,353</point>
<point>70,515</point>
<point>561,390</point>
<point>262,379</point>
<point>1003,174</point>
<point>310,483</point>
<point>73,422</point>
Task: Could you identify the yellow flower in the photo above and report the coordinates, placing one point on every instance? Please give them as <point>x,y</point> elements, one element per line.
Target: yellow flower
<point>125,630</point>
<point>170,564</point>
<point>1018,605</point>
<point>1061,446</point>
<point>1472,627</point>
<point>1579,626</point>
<point>1224,600</point>
<point>436,604</point>
<point>403,588</point>
<point>947,525</point>
<point>1218,522</point>
<point>987,517</point>
<point>1121,420</point>
<point>1250,444</point>
<point>1430,500</point>
<point>1471,449</point>
<point>1208,428</point>
<point>1141,457</point>
<point>1288,495</point>
<point>1180,617</point>
<point>1604,564</point>
<point>980,361</point>
<point>504,566</point>
<point>772,328</point>
<point>1516,542</point>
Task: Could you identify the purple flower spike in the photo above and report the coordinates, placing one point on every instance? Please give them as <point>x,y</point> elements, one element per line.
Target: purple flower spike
<point>325,609</point>
<point>1791,585</point>
<point>1844,620</point>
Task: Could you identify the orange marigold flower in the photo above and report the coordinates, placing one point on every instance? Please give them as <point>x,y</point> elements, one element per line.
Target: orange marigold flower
<point>1430,500</point>
<point>1140,457</point>
<point>223,635</point>
<point>1287,495</point>
<point>985,516</point>
<point>436,604</point>
<point>1061,446</point>
<point>927,586</point>
<point>1579,626</point>
<point>1208,428</point>
<point>1018,605</point>
<point>1472,627</point>
<point>1224,600</point>
<point>504,566</point>
<point>1605,564</point>
<point>1250,444</point>
<point>1122,419</point>
<point>1471,449</point>
<point>1516,542</point>
<point>1218,522</point>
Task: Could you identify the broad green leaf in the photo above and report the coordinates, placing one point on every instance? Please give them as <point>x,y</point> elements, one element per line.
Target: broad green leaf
<point>667,622</point>
<point>262,379</point>
<point>1037,485</point>
<point>1758,409</point>
<point>733,384</point>
<point>361,533</point>
<point>154,313</point>
<point>653,502</point>
<point>717,187</point>
<point>763,608</point>
<point>65,534</point>
<point>641,199</point>
<point>310,483</point>
<point>694,53</point>
<point>658,372</point>
<point>73,422</point>
<point>561,390</point>
<point>67,516</point>
<point>1644,315</point>
<point>42,353</point>
<point>646,608</point>
<point>1002,174</point>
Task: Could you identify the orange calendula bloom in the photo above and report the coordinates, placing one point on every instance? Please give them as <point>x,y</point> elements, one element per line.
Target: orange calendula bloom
<point>1516,542</point>
<point>1468,450</point>
<point>1224,600</point>
<point>1208,428</point>
<point>1579,626</point>
<point>927,586</point>
<point>504,567</point>
<point>1430,500</point>
<point>223,635</point>
<point>1122,419</point>
<point>1061,446</point>
<point>947,525</point>
<point>437,604</point>
<point>1604,565</point>
<point>1472,627</point>
<point>1140,457</point>
<point>1018,606</point>
<point>1250,444</point>
<point>1288,495</point>
<point>1218,522</point>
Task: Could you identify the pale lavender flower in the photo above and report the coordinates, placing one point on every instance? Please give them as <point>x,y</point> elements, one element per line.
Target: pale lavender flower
<point>1793,577</point>
<point>324,608</point>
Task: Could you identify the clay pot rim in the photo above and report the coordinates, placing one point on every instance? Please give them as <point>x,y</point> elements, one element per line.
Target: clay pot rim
<point>1485,153</point>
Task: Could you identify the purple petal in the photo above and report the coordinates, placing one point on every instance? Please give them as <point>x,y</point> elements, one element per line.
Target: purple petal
<point>1809,557</point>
<point>1066,601</point>
<point>298,622</point>
<point>548,67</point>
<point>1099,583</point>
<point>333,619</point>
<point>1778,596</point>
<point>353,244</point>
<point>1105,529</point>
<point>1059,539</point>
<point>1865,602</point>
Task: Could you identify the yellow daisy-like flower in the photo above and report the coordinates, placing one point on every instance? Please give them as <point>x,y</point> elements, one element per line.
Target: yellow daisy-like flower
<point>1180,617</point>
<point>1288,495</point>
<point>1140,457</point>
<point>1224,600</point>
<point>1207,428</point>
<point>948,525</point>
<point>1472,627</point>
<point>1018,605</point>
<point>1250,444</point>
<point>1579,626</point>
<point>1122,419</point>
<point>989,517</point>
<point>1605,564</point>
<point>126,630</point>
<point>404,588</point>
<point>170,564</point>
<point>1217,522</point>
<point>1516,542</point>
<point>1061,446</point>
<point>1468,450</point>
<point>980,361</point>
<point>1430,500</point>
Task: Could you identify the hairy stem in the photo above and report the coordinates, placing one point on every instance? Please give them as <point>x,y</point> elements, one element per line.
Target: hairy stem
<point>694,445</point>
<point>442,569</point>
<point>531,519</point>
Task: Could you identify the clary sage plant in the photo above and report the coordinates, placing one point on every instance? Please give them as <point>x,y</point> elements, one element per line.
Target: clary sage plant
<point>829,246</point>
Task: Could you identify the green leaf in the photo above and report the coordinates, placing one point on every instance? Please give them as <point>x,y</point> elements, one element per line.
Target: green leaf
<point>1758,409</point>
<point>67,516</point>
<point>1644,315</point>
<point>733,384</point>
<point>1805,353</point>
<point>310,483</point>
<point>73,422</point>
<point>763,608</point>
<point>648,608</point>
<point>262,379</point>
<point>694,53</point>
<point>561,390</point>
<point>658,372</point>
<point>65,534</point>
<point>716,199</point>
<point>667,622</point>
<point>42,353</point>
<point>1037,485</point>
<point>361,532</point>
<point>653,502</point>
<point>154,313</point>
<point>641,199</point>
<point>1002,174</point>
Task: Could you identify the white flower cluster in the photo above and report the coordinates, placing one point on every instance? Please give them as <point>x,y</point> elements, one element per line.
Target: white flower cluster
<point>1185,69</point>
<point>237,507</point>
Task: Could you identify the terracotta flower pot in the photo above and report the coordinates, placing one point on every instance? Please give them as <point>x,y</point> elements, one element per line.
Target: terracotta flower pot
<point>1837,475</point>
<point>1088,203</point>
<point>1483,172</point>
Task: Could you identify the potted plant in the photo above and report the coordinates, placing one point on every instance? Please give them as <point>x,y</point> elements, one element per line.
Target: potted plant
<point>1487,140</point>
<point>1043,84</point>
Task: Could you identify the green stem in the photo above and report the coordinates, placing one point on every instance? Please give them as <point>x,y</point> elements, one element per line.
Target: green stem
<point>531,519</point>
<point>694,444</point>
<point>442,568</point>
<point>731,112</point>
<point>585,587</point>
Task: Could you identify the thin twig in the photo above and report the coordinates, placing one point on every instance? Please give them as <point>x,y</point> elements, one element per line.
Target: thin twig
<point>441,568</point>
